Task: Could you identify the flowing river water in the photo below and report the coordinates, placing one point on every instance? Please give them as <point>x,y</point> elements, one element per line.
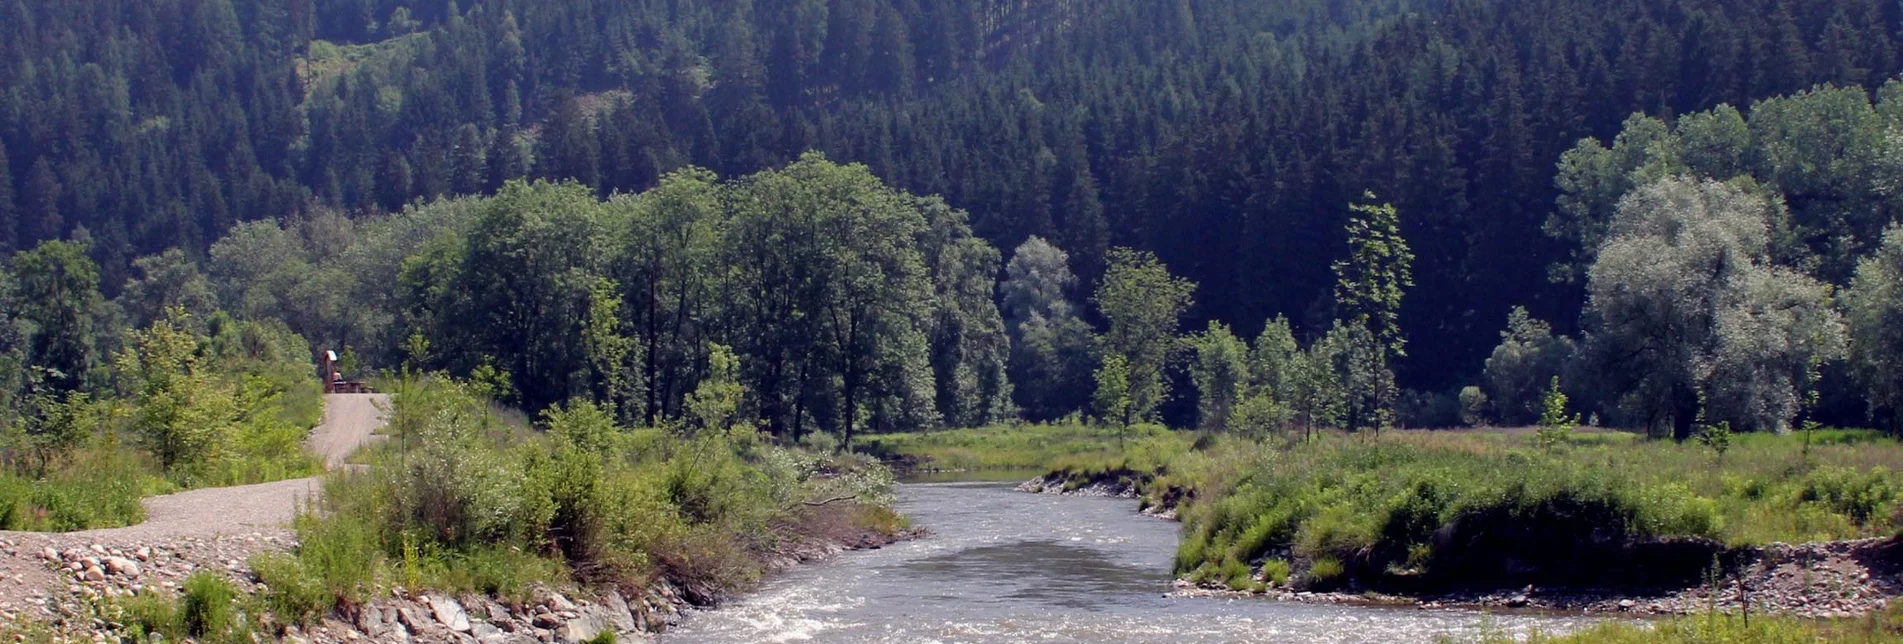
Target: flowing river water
<point>1006,566</point>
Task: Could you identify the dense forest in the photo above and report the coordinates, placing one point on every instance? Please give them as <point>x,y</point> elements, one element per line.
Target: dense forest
<point>272,158</point>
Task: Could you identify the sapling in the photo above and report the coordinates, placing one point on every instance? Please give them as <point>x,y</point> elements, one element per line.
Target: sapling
<point>1555,425</point>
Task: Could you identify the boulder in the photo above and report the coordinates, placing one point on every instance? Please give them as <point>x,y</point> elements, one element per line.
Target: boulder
<point>581,629</point>
<point>450,613</point>
<point>618,614</point>
<point>122,566</point>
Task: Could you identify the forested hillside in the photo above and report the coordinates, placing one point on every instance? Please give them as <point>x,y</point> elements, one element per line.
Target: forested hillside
<point>1225,136</point>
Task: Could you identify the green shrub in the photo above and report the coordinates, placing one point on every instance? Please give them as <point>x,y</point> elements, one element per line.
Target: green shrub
<point>205,610</point>
<point>1325,573</point>
<point>149,615</point>
<point>1861,496</point>
<point>293,595</point>
<point>819,442</point>
<point>1276,571</point>
<point>463,499</point>
<point>92,488</point>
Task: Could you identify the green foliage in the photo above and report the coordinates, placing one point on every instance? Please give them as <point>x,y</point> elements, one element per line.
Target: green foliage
<point>1275,363</point>
<point>92,488</point>
<point>1879,627</point>
<point>1221,375</point>
<point>1276,572</point>
<point>1113,400</point>
<point>294,596</point>
<point>152,615</point>
<point>1359,392</point>
<point>1556,425</point>
<point>1376,506</point>
<point>1371,282</point>
<point>1325,573</point>
<point>1740,329</point>
<point>1873,307</point>
<point>460,500</point>
<point>58,296</point>
<point>1022,449</point>
<point>1143,303</point>
<point>205,609</point>
<point>222,409</point>
<point>1052,348</point>
<point>1527,357</point>
<point>1474,406</point>
<point>715,404</point>
<point>1716,436</point>
<point>1259,416</point>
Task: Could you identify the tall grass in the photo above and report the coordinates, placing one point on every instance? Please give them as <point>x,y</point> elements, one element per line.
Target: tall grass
<point>1437,508</point>
<point>94,487</point>
<point>1879,628</point>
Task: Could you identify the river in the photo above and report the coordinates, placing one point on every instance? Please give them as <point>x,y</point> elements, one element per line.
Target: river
<point>1006,566</point>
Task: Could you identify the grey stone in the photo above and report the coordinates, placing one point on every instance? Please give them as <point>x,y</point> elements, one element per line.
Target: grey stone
<point>618,613</point>
<point>581,628</point>
<point>449,613</point>
<point>122,566</point>
<point>370,620</point>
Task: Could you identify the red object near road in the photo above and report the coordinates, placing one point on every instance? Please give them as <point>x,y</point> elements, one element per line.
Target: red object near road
<point>333,378</point>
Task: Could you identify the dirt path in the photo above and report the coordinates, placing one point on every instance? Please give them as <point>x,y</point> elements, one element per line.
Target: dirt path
<point>349,421</point>
<point>217,527</point>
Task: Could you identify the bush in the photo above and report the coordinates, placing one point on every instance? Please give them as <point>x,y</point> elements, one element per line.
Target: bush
<point>205,610</point>
<point>93,488</point>
<point>292,594</point>
<point>1276,571</point>
<point>149,614</point>
<point>1325,573</point>
<point>463,499</point>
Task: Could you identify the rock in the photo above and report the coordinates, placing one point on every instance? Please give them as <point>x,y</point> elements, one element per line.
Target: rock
<point>122,566</point>
<point>450,613</point>
<point>559,603</point>
<point>370,620</point>
<point>93,574</point>
<point>144,554</point>
<point>50,554</point>
<point>1627,604</point>
<point>412,618</point>
<point>618,613</point>
<point>546,620</point>
<point>1517,601</point>
<point>581,629</point>
<point>99,549</point>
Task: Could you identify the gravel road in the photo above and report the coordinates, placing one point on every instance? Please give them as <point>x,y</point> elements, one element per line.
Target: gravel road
<point>210,526</point>
<point>349,421</point>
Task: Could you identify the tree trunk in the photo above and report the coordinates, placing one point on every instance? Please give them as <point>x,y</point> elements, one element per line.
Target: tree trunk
<point>653,356</point>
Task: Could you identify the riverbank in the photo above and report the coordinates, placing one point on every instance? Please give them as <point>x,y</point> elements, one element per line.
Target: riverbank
<point>469,524</point>
<point>115,588</point>
<point>1832,581</point>
<point>1602,523</point>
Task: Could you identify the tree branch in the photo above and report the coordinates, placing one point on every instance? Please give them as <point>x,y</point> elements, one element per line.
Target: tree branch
<point>829,501</point>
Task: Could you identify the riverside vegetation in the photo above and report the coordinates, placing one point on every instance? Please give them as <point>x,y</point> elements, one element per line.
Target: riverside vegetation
<point>1294,228</point>
<point>464,499</point>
